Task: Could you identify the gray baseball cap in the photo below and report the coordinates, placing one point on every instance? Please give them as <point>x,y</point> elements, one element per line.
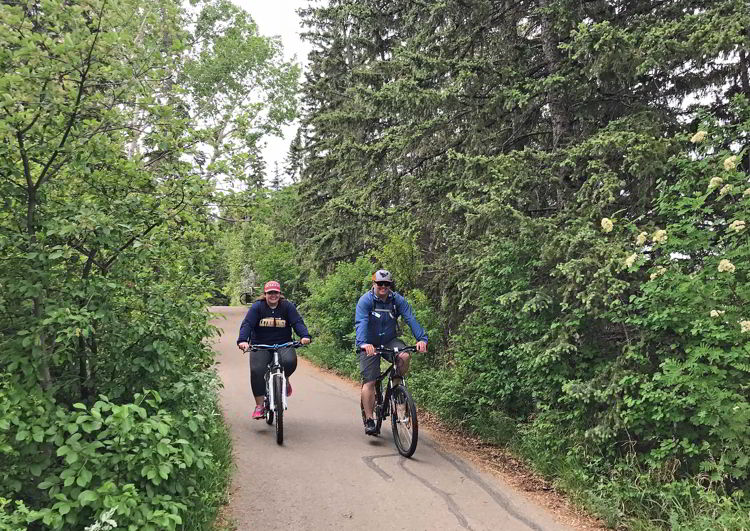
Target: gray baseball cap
<point>382,275</point>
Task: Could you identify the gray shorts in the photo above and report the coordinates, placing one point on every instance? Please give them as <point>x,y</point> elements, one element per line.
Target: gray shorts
<point>369,366</point>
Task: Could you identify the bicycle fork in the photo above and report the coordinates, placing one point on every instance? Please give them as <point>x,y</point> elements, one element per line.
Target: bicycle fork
<point>392,405</point>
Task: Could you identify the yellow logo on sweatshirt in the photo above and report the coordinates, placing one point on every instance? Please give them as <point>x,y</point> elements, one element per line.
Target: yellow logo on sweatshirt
<point>272,322</point>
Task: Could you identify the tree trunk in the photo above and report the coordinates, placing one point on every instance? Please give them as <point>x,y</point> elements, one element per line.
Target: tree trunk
<point>556,94</point>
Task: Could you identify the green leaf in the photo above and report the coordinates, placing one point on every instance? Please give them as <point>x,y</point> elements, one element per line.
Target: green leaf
<point>162,448</point>
<point>87,496</point>
<point>84,477</point>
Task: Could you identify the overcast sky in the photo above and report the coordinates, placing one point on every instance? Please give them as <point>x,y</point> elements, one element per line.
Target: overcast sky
<point>278,18</point>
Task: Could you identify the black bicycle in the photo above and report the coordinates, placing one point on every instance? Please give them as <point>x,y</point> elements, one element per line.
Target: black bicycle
<point>274,403</point>
<point>396,401</point>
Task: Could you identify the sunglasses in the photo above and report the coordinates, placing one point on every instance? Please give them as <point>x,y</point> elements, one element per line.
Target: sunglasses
<point>272,292</point>
<point>383,284</point>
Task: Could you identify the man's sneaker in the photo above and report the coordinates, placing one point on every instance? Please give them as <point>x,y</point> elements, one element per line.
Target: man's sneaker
<point>370,428</point>
<point>259,412</point>
<point>288,389</point>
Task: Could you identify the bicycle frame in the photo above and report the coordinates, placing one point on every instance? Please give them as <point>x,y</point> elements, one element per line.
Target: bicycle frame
<point>382,397</point>
<point>275,370</point>
<point>396,402</point>
<point>274,375</point>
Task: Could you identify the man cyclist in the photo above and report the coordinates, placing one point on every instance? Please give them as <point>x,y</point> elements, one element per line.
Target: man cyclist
<point>376,326</point>
<point>269,321</point>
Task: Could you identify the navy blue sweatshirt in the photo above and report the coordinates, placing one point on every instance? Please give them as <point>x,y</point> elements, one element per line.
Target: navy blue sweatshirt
<point>271,326</point>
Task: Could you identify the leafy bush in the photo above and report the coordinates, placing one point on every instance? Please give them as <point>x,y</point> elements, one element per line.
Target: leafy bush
<point>329,309</point>
<point>147,464</point>
<point>632,334</point>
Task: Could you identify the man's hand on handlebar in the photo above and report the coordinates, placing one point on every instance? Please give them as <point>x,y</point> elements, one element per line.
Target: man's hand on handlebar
<point>305,340</point>
<point>243,345</point>
<point>369,349</point>
<point>421,346</point>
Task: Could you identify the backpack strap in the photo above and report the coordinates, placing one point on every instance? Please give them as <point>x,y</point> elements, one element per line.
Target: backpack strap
<point>394,308</point>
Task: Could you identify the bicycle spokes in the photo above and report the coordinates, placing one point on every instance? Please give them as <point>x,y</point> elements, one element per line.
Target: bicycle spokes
<point>403,421</point>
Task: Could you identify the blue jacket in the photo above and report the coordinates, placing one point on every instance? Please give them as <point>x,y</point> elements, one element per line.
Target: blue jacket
<point>375,323</point>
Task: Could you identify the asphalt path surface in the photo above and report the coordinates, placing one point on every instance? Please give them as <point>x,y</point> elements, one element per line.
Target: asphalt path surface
<point>329,475</point>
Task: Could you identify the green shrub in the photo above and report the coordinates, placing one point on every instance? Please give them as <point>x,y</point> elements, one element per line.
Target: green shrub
<point>329,309</point>
<point>151,467</point>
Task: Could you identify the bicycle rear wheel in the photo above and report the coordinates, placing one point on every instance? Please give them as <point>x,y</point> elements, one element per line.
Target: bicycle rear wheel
<point>279,406</point>
<point>404,421</point>
<point>378,410</point>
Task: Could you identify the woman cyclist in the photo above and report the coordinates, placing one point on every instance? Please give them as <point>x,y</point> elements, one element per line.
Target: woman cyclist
<point>269,321</point>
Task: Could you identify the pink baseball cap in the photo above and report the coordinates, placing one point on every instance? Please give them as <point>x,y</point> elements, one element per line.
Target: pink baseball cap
<point>271,285</point>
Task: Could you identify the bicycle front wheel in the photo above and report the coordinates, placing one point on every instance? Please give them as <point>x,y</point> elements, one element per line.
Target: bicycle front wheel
<point>267,403</point>
<point>404,421</point>
<point>279,406</point>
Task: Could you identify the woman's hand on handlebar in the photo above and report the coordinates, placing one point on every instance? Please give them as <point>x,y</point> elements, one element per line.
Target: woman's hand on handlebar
<point>421,346</point>
<point>305,340</point>
<point>243,346</point>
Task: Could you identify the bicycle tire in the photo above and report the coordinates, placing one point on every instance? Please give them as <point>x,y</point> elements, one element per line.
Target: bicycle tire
<point>405,430</point>
<point>279,406</point>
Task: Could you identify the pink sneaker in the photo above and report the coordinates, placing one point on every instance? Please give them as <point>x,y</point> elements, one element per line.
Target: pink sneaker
<point>288,388</point>
<point>259,412</point>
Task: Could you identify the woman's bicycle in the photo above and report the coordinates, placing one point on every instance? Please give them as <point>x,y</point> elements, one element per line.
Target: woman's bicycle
<point>396,401</point>
<point>275,401</point>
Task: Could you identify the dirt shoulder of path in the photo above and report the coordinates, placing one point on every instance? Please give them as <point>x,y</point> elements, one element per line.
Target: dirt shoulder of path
<point>497,461</point>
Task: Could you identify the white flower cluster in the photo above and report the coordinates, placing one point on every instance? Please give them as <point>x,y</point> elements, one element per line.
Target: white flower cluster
<point>726,189</point>
<point>641,239</point>
<point>715,182</point>
<point>745,326</point>
<point>607,225</point>
<point>717,313</point>
<point>737,225</point>
<point>698,137</point>
<point>730,162</point>
<point>660,236</point>
<point>725,266</point>
<point>630,260</point>
<point>659,271</point>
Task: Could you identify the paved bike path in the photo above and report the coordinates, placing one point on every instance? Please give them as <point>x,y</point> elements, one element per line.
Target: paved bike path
<point>329,475</point>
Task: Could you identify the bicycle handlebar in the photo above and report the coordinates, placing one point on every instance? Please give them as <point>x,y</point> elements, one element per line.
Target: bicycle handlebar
<point>293,344</point>
<point>396,350</point>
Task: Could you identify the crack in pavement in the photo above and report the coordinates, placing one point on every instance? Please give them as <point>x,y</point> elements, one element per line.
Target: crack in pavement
<point>498,497</point>
<point>369,460</point>
<point>450,502</point>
